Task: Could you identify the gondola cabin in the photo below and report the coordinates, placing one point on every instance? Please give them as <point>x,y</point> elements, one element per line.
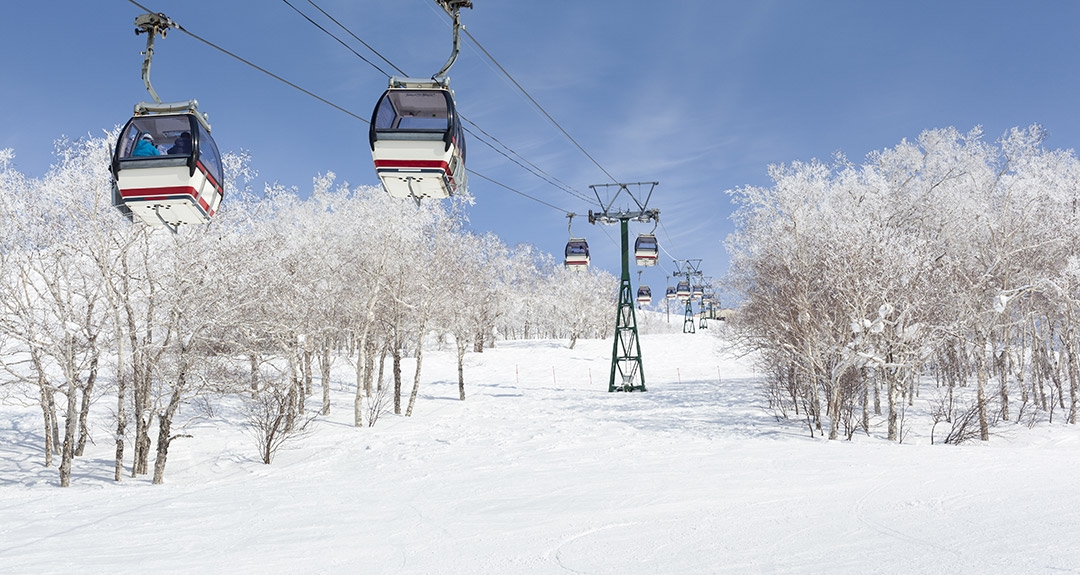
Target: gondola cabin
<point>166,168</point>
<point>646,250</point>
<point>644,295</point>
<point>670,294</point>
<point>417,141</point>
<point>697,292</point>
<point>682,290</point>
<point>577,254</point>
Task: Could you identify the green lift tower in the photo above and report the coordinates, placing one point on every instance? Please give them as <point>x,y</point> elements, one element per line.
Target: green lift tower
<point>626,370</point>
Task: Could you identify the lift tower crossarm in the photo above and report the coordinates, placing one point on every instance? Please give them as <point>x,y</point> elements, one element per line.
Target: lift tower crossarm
<point>642,203</point>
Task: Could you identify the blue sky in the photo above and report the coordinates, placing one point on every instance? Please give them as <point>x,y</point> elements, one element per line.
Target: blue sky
<point>700,95</point>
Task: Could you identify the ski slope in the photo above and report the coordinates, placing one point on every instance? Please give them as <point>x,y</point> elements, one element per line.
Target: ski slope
<point>541,470</point>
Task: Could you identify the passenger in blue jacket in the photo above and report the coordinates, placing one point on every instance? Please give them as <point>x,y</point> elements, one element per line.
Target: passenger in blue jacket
<point>145,147</point>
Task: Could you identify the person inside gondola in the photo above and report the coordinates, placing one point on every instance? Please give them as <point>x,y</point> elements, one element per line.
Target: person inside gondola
<point>145,147</point>
<point>182,145</point>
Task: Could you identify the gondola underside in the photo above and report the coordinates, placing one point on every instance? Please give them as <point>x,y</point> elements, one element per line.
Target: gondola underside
<point>407,169</point>
<point>168,195</point>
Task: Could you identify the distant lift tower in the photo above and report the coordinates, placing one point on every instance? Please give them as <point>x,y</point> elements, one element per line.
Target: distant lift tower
<point>688,270</point>
<point>626,371</point>
<point>704,303</point>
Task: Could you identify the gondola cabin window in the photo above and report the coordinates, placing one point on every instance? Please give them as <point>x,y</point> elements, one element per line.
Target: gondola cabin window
<point>163,132</point>
<point>209,156</point>
<point>413,110</point>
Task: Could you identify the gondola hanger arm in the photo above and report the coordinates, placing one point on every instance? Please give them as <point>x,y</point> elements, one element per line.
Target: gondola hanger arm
<point>151,24</point>
<point>452,7</point>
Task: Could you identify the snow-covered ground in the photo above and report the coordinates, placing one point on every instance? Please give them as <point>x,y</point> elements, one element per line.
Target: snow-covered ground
<point>541,470</point>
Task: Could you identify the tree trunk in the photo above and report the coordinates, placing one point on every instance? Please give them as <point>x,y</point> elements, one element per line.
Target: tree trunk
<point>396,354</point>
<point>84,411</point>
<point>1074,375</point>
<point>164,432</point>
<point>121,423</point>
<point>1003,377</point>
<point>877,394</point>
<point>143,415</point>
<point>369,367</point>
<point>983,378</point>
<point>461,366</point>
<point>416,376</point>
<point>361,361</point>
<point>382,365</point>
<point>121,399</point>
<point>324,367</point>
<point>1041,371</point>
<point>68,452</point>
<point>253,361</point>
<point>294,396</point>
<point>307,371</point>
<point>891,388</point>
<point>358,399</point>
<point>834,407</point>
<point>48,417</point>
<point>865,400</point>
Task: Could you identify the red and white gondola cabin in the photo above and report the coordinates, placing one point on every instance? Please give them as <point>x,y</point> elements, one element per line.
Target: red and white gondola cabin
<point>417,141</point>
<point>577,254</point>
<point>644,295</point>
<point>166,168</point>
<point>646,250</point>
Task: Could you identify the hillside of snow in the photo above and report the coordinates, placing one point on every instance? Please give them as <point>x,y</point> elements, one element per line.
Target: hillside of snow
<point>541,470</point>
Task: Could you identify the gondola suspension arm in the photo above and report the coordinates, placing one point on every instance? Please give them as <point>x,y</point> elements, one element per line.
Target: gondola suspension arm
<point>452,8</point>
<point>152,25</point>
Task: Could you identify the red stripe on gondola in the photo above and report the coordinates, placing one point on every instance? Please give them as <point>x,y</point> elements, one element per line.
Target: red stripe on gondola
<point>209,176</point>
<point>158,193</point>
<point>412,164</point>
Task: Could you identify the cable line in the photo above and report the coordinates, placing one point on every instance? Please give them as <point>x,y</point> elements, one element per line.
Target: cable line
<point>340,41</point>
<point>668,236</point>
<point>534,170</point>
<point>259,68</point>
<point>355,37</point>
<point>539,107</point>
<point>531,168</point>
<point>563,187</point>
<point>520,193</point>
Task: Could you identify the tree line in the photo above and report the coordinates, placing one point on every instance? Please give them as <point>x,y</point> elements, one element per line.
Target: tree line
<point>948,259</point>
<point>260,304</point>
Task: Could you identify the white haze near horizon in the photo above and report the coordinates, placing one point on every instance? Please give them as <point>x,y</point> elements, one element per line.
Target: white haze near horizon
<point>541,470</point>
